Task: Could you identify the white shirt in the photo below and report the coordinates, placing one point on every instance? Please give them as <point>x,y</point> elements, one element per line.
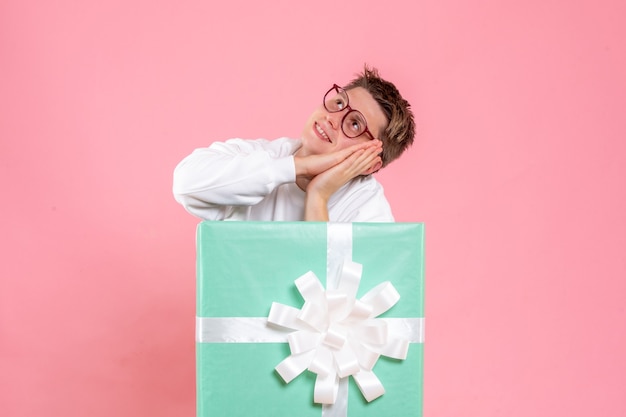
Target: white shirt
<point>255,180</point>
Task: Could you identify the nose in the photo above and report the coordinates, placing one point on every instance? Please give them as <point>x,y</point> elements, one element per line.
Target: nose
<point>334,119</point>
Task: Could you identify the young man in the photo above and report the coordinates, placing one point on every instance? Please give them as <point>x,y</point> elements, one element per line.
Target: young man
<point>323,176</point>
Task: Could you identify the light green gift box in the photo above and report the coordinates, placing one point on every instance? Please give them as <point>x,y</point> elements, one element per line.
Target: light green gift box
<point>243,267</point>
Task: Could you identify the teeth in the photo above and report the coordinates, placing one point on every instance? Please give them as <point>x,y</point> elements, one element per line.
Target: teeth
<point>319,129</point>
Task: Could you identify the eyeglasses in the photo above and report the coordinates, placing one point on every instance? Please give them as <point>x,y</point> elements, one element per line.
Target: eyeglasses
<point>353,123</point>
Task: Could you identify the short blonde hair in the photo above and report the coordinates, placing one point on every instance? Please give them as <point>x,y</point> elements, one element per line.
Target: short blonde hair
<point>399,133</point>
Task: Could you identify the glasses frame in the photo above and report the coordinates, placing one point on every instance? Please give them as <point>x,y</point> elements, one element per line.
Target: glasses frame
<point>341,91</point>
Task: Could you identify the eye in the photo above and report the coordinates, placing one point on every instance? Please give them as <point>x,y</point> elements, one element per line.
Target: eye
<point>339,103</point>
<point>354,124</point>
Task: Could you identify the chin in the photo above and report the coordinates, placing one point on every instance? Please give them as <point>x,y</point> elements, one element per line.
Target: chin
<point>310,146</point>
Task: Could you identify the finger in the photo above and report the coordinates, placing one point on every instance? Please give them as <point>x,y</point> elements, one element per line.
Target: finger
<point>360,162</point>
<point>347,153</point>
<point>371,153</point>
<point>355,148</point>
<point>368,160</point>
<point>368,166</point>
<point>371,147</point>
<point>360,159</point>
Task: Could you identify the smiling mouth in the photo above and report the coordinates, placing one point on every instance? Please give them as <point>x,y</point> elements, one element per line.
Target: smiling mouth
<point>322,133</point>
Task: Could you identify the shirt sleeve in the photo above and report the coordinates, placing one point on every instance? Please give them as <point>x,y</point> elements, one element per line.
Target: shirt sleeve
<point>233,173</point>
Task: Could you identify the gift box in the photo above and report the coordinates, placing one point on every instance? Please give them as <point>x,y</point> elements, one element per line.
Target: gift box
<point>247,271</point>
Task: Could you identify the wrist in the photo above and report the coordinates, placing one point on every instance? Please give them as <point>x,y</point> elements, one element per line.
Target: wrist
<point>316,207</point>
<point>300,166</point>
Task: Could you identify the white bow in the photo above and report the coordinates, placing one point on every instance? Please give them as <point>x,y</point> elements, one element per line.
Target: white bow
<point>337,335</point>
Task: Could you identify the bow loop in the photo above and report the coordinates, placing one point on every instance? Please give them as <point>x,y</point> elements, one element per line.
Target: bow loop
<point>337,335</point>
<point>381,298</point>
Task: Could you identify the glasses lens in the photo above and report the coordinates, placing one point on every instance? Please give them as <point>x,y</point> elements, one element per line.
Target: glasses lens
<point>335,100</point>
<point>354,124</point>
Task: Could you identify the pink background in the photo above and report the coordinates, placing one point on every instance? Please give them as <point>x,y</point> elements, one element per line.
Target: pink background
<point>519,172</point>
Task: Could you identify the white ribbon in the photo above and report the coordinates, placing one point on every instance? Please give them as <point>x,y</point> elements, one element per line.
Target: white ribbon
<point>334,334</point>
<point>258,330</point>
<point>337,335</point>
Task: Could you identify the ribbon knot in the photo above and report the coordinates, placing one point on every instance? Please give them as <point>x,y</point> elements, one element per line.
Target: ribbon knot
<point>337,335</point>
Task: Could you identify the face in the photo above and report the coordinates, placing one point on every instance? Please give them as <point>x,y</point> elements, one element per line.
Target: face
<point>323,134</point>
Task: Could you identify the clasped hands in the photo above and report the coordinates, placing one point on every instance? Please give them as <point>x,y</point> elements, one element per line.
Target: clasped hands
<point>320,176</point>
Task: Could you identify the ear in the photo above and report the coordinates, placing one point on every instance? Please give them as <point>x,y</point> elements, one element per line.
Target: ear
<point>378,165</point>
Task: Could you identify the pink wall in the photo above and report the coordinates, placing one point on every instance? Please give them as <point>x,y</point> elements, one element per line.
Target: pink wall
<point>519,172</point>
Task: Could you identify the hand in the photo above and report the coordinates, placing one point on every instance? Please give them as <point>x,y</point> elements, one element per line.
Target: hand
<point>362,160</point>
<point>312,165</point>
